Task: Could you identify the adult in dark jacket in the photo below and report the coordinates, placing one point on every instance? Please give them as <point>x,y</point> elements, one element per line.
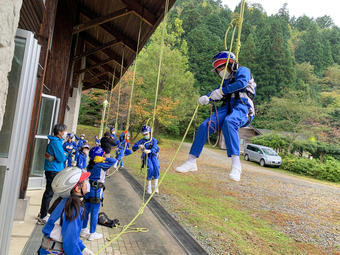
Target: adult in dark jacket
<point>55,158</point>
<point>107,142</point>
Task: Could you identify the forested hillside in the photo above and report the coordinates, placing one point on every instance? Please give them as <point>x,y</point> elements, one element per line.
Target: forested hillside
<point>295,62</point>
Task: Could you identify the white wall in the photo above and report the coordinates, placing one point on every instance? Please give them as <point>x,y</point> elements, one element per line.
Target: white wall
<point>9,19</point>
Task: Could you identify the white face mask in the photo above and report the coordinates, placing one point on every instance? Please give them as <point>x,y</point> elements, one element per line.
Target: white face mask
<point>88,187</point>
<point>64,135</point>
<point>113,132</point>
<point>147,137</point>
<point>221,74</point>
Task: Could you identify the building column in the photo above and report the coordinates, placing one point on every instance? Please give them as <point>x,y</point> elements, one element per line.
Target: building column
<point>9,19</point>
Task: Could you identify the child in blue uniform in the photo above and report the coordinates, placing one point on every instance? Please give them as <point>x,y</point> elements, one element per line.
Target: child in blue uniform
<point>98,166</point>
<point>149,157</point>
<point>81,141</point>
<point>237,94</point>
<point>123,148</point>
<point>82,157</point>
<point>69,146</point>
<point>61,234</point>
<point>113,134</point>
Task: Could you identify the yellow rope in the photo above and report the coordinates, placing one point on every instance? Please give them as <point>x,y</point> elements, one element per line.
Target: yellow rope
<point>133,79</point>
<point>119,88</point>
<point>110,98</point>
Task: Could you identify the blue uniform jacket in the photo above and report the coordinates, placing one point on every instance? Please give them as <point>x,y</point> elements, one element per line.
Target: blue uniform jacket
<point>80,141</point>
<point>70,230</point>
<point>69,147</point>
<point>99,169</point>
<point>55,149</point>
<point>82,160</point>
<point>150,145</point>
<point>240,81</point>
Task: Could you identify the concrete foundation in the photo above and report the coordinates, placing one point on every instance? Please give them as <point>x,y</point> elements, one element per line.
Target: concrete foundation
<point>21,210</point>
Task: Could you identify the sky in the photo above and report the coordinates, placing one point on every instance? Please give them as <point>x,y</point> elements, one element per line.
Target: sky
<point>311,8</point>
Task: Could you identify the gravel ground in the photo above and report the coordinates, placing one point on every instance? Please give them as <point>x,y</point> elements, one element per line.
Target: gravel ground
<point>306,210</point>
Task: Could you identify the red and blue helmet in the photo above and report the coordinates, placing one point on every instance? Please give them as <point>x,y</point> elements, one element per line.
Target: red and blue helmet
<point>146,129</point>
<point>221,59</point>
<point>96,151</point>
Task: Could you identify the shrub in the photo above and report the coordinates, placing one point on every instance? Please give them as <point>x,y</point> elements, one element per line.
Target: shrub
<point>328,170</point>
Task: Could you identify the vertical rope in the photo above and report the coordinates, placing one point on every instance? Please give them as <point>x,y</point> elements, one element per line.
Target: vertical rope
<point>119,88</point>
<point>133,79</point>
<point>110,98</point>
<point>159,67</point>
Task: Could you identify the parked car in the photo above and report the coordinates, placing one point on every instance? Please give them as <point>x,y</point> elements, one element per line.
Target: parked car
<point>262,154</point>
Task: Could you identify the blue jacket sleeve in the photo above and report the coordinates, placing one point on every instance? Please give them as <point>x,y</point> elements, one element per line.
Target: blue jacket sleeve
<point>70,231</point>
<point>108,163</point>
<point>135,146</point>
<point>64,146</point>
<point>76,137</point>
<point>154,148</point>
<point>242,77</point>
<point>59,152</point>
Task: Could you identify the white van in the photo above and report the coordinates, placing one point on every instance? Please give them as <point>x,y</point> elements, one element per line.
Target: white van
<point>261,154</point>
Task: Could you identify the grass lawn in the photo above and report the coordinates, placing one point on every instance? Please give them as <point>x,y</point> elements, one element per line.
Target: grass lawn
<point>198,206</point>
<point>216,218</point>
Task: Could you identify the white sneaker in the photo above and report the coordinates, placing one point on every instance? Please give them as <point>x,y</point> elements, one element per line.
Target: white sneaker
<point>95,236</point>
<point>115,165</point>
<point>148,189</point>
<point>156,186</point>
<point>42,221</point>
<point>85,232</point>
<point>187,166</point>
<point>235,173</point>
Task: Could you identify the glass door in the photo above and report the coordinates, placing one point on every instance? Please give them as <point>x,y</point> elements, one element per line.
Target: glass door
<point>49,110</point>
<point>16,123</point>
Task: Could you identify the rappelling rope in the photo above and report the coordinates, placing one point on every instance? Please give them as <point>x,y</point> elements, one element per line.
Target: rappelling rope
<point>119,88</point>
<point>110,98</point>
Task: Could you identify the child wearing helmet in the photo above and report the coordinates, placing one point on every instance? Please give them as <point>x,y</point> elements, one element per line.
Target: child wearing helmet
<point>122,148</point>
<point>149,149</point>
<point>61,234</point>
<point>237,110</point>
<point>98,166</point>
<point>69,146</point>
<point>82,157</point>
<point>113,134</point>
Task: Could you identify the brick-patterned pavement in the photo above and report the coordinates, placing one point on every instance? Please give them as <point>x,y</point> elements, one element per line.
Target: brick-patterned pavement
<point>122,202</point>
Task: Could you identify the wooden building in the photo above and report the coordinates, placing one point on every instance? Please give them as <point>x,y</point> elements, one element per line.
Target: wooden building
<point>245,135</point>
<point>74,45</point>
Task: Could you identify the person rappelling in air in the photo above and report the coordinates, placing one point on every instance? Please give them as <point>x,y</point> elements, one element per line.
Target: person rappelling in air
<point>237,93</point>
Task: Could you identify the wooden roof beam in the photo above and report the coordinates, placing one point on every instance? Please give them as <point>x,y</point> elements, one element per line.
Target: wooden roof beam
<point>96,49</point>
<point>112,30</point>
<point>93,84</point>
<point>106,67</point>
<point>101,20</point>
<point>98,75</point>
<point>98,64</point>
<point>141,11</point>
<point>110,53</point>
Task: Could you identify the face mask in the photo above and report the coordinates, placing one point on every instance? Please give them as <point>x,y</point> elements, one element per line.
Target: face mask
<point>86,153</point>
<point>147,137</point>
<point>221,74</point>
<point>64,135</point>
<point>88,187</point>
<point>113,132</point>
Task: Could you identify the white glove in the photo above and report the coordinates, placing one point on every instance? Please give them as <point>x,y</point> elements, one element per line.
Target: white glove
<point>203,100</point>
<point>87,251</point>
<point>141,146</point>
<point>147,151</point>
<point>216,95</point>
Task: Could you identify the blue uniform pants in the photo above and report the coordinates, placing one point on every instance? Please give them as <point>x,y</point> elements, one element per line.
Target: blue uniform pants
<point>229,124</point>
<point>153,167</point>
<point>120,154</point>
<point>92,209</point>
<point>69,160</point>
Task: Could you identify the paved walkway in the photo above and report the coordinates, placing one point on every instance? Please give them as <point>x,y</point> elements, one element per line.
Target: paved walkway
<point>122,202</point>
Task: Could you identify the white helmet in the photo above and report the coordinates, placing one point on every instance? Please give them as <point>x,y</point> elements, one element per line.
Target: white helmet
<point>67,179</point>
